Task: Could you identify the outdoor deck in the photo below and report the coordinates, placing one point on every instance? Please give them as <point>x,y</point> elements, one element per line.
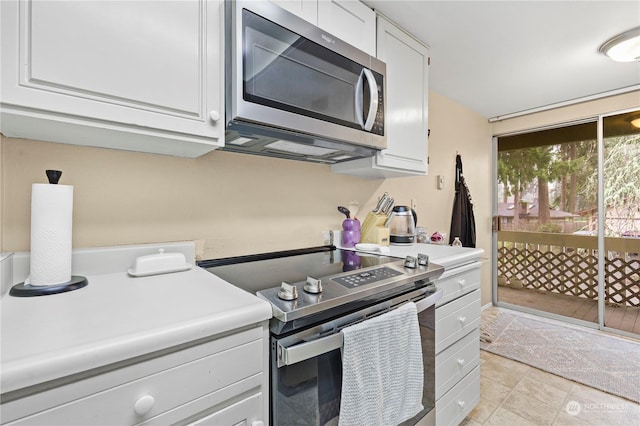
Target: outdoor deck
<point>626,318</point>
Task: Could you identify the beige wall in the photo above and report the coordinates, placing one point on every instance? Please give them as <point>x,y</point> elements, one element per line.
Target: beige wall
<point>240,204</point>
<point>237,203</point>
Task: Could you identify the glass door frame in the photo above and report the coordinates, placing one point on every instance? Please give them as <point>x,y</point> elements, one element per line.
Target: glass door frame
<point>600,325</point>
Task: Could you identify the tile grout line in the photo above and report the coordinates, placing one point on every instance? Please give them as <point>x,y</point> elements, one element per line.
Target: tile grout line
<point>513,389</point>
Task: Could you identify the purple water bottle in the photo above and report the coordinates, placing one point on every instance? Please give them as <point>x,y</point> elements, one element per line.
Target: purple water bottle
<point>350,229</point>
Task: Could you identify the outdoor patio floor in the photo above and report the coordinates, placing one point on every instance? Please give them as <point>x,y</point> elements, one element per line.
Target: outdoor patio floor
<point>621,318</point>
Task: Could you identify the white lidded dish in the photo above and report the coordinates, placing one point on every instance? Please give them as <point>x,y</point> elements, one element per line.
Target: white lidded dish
<point>159,263</point>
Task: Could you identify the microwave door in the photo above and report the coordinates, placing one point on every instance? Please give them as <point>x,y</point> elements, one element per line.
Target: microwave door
<point>287,72</point>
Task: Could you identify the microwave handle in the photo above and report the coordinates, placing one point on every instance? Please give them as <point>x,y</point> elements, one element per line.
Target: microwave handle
<point>367,75</point>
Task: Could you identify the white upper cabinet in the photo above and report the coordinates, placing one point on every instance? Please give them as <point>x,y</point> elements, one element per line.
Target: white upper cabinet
<point>406,122</point>
<point>136,75</point>
<point>349,20</point>
<point>305,9</point>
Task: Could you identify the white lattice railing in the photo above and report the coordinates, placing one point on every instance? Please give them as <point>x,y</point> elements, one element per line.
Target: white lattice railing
<point>567,264</point>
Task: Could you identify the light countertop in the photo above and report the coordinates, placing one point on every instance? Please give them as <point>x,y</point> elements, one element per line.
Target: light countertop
<point>444,255</point>
<point>114,318</point>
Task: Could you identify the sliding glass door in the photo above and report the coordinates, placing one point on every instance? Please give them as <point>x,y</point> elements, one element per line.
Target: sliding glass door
<point>621,211</point>
<point>552,185</point>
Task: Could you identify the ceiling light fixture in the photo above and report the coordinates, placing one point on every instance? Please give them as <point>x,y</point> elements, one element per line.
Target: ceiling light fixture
<point>624,47</point>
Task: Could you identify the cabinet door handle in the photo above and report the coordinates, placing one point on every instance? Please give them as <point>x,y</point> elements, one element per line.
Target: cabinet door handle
<point>143,405</point>
<point>214,115</point>
<point>463,319</point>
<point>461,362</point>
<point>461,404</point>
<point>462,282</point>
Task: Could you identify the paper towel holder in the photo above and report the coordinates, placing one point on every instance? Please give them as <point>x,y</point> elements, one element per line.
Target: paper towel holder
<point>53,176</point>
<point>28,290</point>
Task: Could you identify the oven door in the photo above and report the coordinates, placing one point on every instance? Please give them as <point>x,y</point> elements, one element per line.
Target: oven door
<point>289,74</point>
<point>306,368</point>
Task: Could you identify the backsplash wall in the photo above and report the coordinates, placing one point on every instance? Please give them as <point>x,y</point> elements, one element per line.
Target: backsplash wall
<point>236,203</point>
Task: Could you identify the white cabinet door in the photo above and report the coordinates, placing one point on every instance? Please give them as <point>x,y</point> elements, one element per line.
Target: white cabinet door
<point>350,21</point>
<point>130,74</point>
<point>406,110</point>
<point>407,98</point>
<point>305,9</point>
<point>245,412</point>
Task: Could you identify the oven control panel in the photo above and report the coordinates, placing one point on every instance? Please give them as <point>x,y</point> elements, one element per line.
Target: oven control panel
<point>358,279</point>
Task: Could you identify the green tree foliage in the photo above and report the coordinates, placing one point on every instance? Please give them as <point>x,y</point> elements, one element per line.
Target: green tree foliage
<point>517,169</point>
<point>621,183</point>
<point>514,174</point>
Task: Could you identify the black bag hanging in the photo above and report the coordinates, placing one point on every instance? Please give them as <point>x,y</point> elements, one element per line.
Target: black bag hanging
<point>463,222</point>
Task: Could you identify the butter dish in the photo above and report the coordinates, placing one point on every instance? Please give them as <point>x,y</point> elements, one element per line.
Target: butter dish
<point>373,248</point>
<point>159,263</point>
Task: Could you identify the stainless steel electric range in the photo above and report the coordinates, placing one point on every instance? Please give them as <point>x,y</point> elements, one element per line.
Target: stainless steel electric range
<point>316,292</point>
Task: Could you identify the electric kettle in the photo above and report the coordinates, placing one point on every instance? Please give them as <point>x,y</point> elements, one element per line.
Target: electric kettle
<point>402,226</point>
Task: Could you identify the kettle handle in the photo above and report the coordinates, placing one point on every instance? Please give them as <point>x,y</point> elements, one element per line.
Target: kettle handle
<point>415,217</point>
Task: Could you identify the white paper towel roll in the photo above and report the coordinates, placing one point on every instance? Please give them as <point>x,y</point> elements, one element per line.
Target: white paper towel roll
<point>51,239</point>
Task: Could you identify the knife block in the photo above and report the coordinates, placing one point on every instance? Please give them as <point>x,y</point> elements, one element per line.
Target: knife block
<point>373,230</point>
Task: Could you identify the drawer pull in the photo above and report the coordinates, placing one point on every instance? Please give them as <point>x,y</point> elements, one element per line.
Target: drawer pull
<point>463,319</point>
<point>214,115</point>
<point>462,282</point>
<point>461,404</point>
<point>144,405</point>
<point>461,362</point>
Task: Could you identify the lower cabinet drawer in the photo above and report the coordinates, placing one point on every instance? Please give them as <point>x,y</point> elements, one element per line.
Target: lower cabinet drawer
<point>458,282</point>
<point>457,319</point>
<point>456,404</point>
<point>245,412</point>
<point>150,396</point>
<point>457,361</point>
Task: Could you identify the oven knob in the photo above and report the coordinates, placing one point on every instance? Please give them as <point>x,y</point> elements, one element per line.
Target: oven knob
<point>410,262</point>
<point>288,291</point>
<point>313,285</point>
<point>423,259</point>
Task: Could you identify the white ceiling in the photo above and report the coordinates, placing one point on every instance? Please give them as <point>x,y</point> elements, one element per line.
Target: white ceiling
<point>503,57</point>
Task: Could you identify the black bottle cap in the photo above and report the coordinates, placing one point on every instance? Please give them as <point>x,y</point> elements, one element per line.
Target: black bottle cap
<point>54,176</point>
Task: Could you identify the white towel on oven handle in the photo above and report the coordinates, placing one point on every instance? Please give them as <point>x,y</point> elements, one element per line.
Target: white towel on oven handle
<point>382,371</point>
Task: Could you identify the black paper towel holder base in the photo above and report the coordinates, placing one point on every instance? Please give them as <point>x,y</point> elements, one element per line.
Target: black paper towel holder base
<point>28,290</point>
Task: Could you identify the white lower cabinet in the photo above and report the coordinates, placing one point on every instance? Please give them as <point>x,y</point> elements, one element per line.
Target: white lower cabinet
<point>406,112</point>
<point>455,362</point>
<point>222,381</point>
<point>140,76</point>
<point>456,404</point>
<point>243,412</point>
<point>457,345</point>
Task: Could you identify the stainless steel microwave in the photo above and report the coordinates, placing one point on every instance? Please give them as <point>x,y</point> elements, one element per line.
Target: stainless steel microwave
<point>295,91</point>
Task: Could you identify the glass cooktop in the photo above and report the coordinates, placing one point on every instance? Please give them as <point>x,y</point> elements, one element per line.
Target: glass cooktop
<point>259,272</point>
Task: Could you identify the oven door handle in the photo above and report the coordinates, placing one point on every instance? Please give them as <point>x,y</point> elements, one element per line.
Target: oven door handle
<point>307,350</point>
<point>288,355</point>
<point>429,301</point>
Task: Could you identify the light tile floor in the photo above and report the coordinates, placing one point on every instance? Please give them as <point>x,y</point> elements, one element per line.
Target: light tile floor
<point>514,394</point>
